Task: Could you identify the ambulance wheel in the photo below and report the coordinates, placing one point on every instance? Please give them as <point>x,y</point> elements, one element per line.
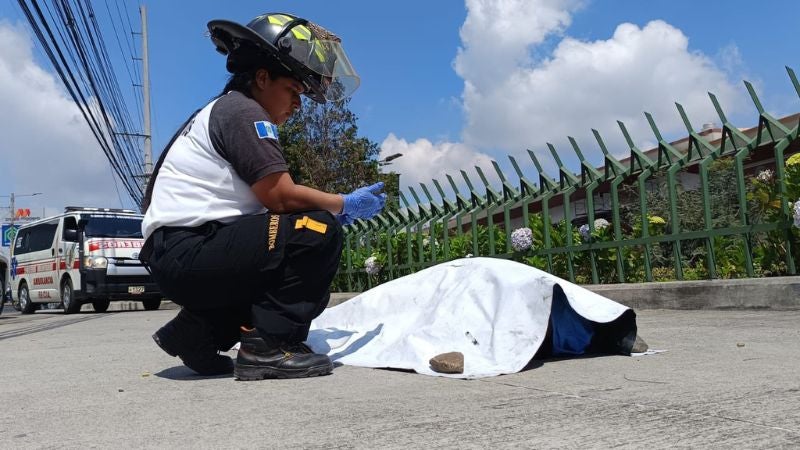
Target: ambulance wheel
<point>101,305</point>
<point>71,306</point>
<point>152,304</point>
<point>26,306</point>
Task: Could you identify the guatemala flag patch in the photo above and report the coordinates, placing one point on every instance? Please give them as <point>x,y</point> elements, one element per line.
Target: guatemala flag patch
<point>266,130</point>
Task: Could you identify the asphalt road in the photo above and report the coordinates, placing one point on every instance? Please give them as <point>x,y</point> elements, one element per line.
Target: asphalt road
<point>730,379</point>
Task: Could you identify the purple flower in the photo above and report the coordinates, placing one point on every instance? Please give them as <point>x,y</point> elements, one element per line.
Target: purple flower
<point>584,231</point>
<point>521,239</point>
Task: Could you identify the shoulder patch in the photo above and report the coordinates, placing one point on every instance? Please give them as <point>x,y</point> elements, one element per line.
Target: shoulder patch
<point>266,130</point>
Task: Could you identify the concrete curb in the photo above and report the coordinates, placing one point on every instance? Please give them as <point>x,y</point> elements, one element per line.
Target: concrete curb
<point>779,293</point>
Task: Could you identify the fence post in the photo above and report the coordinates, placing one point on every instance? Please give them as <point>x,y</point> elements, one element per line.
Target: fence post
<point>527,189</point>
<point>669,156</point>
<point>646,167</point>
<point>547,189</point>
<point>742,151</point>
<point>567,181</point>
<point>614,171</point>
<point>767,122</point>
<point>708,154</point>
<point>590,178</point>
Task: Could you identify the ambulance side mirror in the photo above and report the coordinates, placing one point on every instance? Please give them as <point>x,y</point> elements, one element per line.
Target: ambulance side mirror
<point>70,235</point>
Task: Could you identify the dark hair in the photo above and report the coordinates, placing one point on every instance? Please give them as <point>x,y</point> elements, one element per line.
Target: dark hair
<point>245,65</point>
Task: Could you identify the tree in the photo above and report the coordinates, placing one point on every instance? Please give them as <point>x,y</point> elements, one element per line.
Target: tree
<point>323,150</point>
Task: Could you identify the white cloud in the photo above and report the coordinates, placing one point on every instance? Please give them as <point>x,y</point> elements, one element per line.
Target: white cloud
<point>424,161</point>
<point>586,85</point>
<point>730,58</point>
<point>497,36</point>
<point>514,99</point>
<point>47,146</point>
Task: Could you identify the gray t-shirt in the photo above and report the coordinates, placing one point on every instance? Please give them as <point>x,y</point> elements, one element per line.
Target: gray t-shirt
<point>209,169</point>
<point>240,130</point>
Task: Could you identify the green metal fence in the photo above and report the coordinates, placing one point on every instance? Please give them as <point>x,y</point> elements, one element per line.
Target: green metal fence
<point>695,213</point>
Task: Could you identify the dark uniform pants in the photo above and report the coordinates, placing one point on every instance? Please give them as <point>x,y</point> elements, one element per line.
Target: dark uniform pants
<point>271,271</point>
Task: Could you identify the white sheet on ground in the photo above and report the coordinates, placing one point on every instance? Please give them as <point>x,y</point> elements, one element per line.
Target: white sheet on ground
<point>493,311</point>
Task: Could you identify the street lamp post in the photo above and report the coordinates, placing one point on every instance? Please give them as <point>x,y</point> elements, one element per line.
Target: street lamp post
<point>388,160</point>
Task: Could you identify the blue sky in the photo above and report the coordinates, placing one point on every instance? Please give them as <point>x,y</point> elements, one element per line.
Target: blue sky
<point>451,84</point>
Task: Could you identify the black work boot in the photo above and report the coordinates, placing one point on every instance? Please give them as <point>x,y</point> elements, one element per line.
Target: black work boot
<point>190,337</point>
<point>260,358</point>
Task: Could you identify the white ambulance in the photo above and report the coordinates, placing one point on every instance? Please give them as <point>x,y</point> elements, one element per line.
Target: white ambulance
<point>85,255</point>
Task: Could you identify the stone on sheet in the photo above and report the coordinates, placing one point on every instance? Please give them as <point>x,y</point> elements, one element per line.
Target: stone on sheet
<point>452,362</point>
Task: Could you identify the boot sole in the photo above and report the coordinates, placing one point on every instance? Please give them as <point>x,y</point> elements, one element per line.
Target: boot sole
<point>243,372</point>
<point>195,367</point>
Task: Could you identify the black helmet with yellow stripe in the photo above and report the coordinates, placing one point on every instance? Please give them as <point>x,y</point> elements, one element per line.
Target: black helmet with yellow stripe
<point>307,51</point>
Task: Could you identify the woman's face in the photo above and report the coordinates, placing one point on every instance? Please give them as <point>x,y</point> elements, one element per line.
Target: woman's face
<point>279,97</point>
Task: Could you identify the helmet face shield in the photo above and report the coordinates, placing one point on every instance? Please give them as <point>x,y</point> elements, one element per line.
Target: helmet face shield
<point>326,59</point>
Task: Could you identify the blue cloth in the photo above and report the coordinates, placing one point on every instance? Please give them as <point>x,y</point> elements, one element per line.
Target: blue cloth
<point>572,334</point>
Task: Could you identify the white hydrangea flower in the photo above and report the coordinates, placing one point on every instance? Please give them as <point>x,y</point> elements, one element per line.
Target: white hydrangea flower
<point>584,231</point>
<point>521,239</point>
<point>371,265</point>
<point>797,213</point>
<point>766,176</point>
<point>599,224</point>
<point>426,241</point>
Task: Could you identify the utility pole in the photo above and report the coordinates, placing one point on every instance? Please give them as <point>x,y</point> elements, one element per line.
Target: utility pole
<point>13,211</point>
<point>148,145</point>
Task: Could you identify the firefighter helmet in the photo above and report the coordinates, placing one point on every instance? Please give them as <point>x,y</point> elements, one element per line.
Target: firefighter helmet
<point>309,52</point>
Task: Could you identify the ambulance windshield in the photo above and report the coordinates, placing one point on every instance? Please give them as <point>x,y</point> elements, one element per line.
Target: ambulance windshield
<point>113,226</point>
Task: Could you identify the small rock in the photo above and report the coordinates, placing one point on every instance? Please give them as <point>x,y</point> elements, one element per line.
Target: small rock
<point>120,390</point>
<point>452,362</point>
<point>639,346</point>
<point>145,374</point>
<point>740,344</point>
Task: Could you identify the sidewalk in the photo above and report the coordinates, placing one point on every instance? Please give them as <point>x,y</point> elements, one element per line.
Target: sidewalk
<point>728,380</point>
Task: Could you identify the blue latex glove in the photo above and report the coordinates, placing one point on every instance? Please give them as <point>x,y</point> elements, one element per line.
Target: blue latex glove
<point>364,202</point>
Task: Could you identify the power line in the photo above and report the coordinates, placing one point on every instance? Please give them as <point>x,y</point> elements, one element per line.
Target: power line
<point>93,69</point>
<point>72,39</point>
<point>128,37</point>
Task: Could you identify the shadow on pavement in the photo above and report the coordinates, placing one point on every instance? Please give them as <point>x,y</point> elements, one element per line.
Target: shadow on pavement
<point>183,373</point>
